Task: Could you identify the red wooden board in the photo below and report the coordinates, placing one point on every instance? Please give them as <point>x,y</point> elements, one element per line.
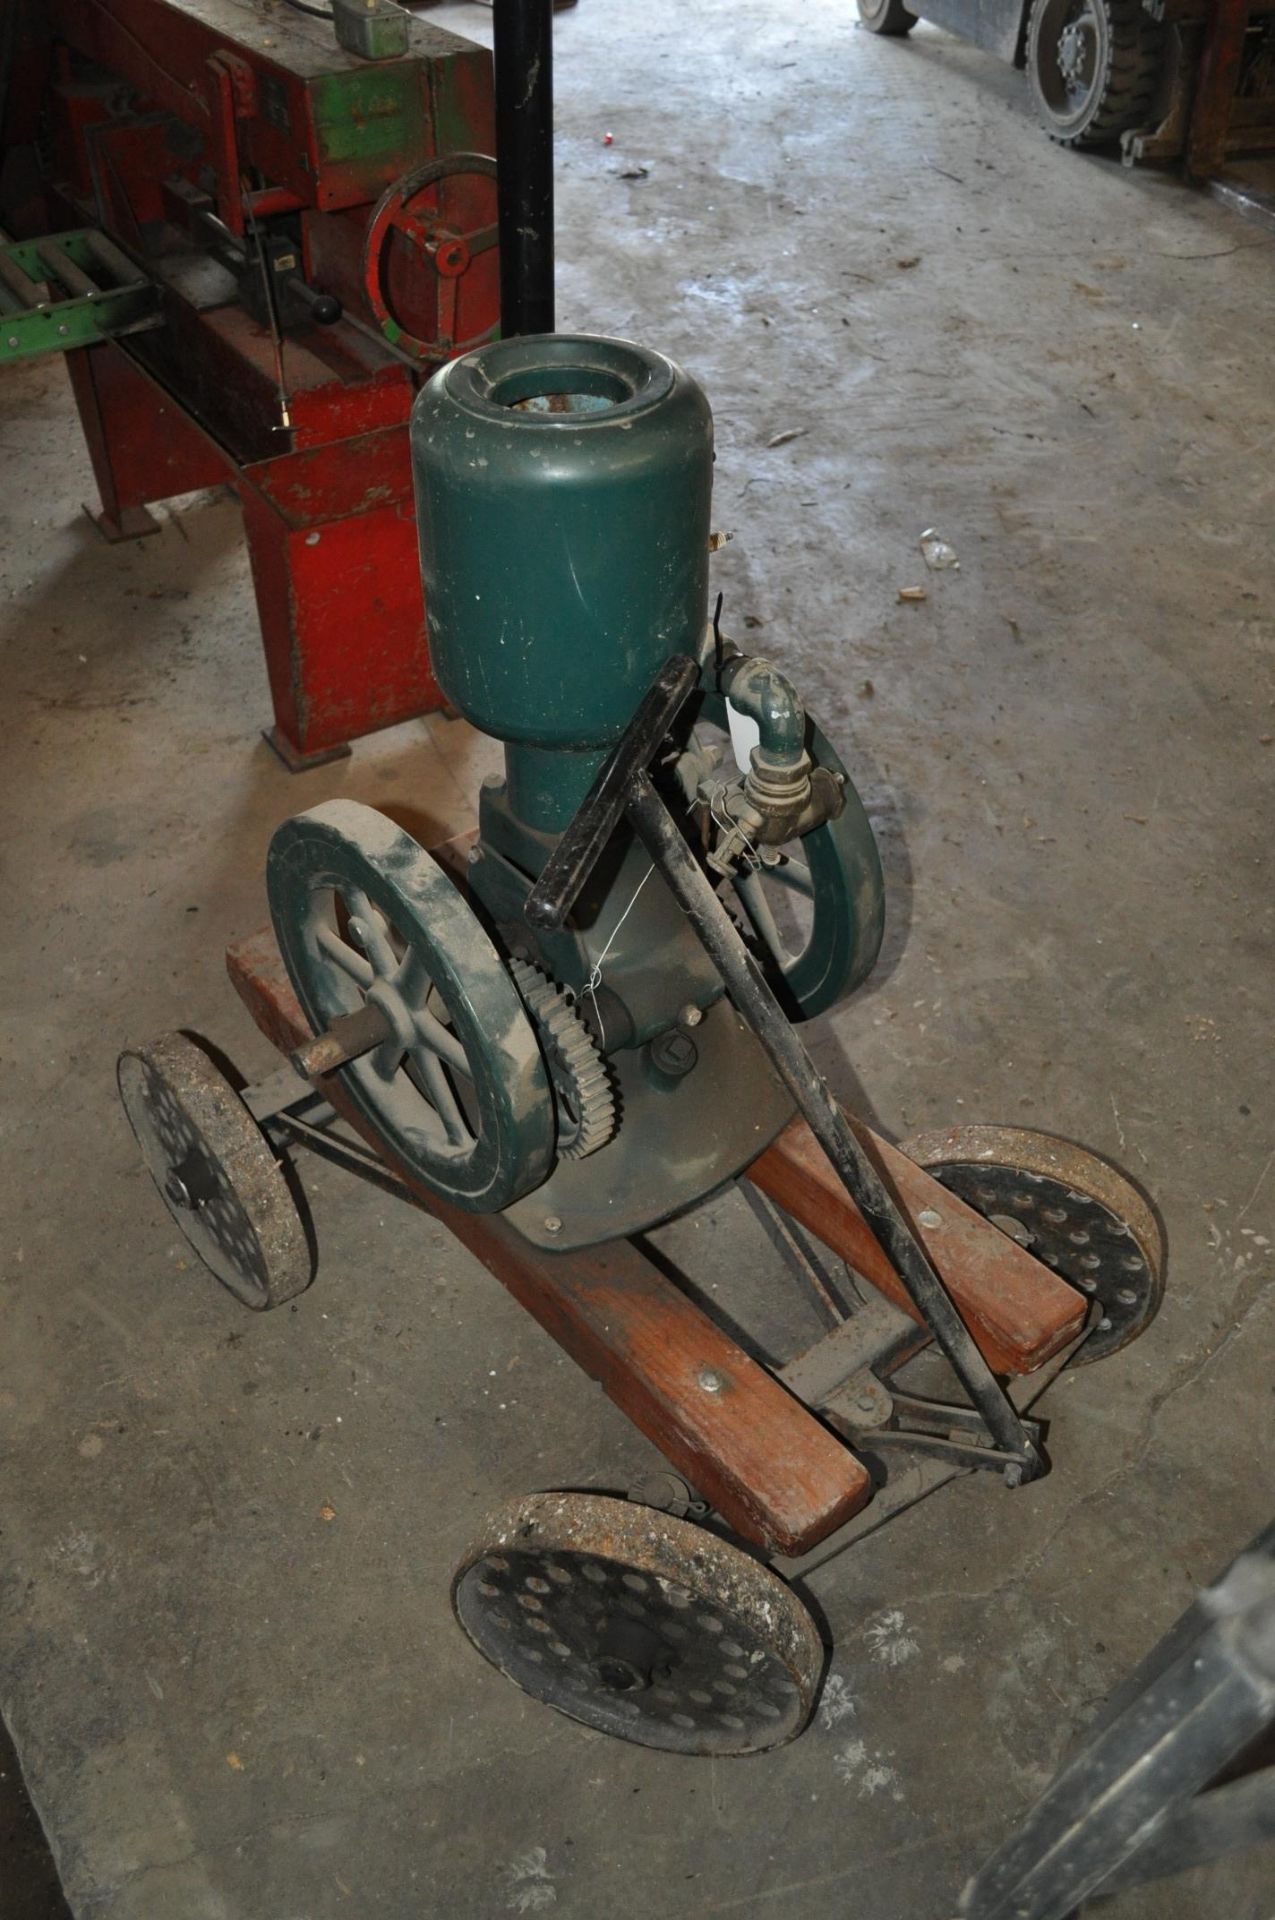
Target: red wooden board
<point>1018,1311</point>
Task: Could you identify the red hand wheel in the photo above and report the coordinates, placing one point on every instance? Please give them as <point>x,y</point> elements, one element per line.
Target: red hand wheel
<point>414,211</point>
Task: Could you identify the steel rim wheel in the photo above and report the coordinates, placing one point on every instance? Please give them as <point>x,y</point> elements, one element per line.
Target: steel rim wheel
<point>639,1625</point>
<point>1067,1206</point>
<point>458,1094</point>
<point>835,874</point>
<point>1069,58</point>
<point>1093,66</point>
<point>215,1171</point>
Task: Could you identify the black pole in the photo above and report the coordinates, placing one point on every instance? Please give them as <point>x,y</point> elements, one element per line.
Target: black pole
<point>523,44</point>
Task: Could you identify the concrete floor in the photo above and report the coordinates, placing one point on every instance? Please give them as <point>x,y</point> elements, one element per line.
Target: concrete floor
<point>231,1708</point>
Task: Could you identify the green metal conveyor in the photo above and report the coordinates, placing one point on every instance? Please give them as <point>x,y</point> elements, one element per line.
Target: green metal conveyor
<point>69,290</point>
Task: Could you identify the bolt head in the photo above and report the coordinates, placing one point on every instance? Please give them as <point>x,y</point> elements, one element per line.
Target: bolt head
<point>1013,1475</point>
<point>690,1016</point>
<point>673,1052</point>
<point>177,1190</point>
<point>552,1223</point>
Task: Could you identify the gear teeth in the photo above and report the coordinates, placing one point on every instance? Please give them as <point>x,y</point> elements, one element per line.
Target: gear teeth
<point>576,1068</point>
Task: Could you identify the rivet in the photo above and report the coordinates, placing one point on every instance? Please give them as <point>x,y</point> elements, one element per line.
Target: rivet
<point>312,539</point>
<point>929,1218</point>
<point>552,1223</point>
<point>710,1380</point>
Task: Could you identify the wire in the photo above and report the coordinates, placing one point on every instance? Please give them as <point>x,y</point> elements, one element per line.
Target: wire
<point>594,980</point>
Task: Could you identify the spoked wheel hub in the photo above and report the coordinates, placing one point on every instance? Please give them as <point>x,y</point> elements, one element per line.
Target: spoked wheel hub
<point>1069,1208</point>
<point>640,1625</point>
<point>455,1086</point>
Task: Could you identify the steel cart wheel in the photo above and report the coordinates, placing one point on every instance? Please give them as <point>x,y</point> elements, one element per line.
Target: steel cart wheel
<point>215,1171</point>
<point>1092,66</point>
<point>639,1624</point>
<point>815,917</point>
<point>458,1092</point>
<point>1074,1211</point>
<point>886,16</point>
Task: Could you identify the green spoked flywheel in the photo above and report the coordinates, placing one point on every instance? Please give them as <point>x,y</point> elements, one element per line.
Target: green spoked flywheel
<point>817,915</point>
<point>458,1091</point>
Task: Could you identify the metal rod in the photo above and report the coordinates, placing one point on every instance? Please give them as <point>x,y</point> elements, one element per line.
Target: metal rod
<point>364,1165</point>
<point>1244,200</point>
<point>21,284</point>
<point>63,268</point>
<point>573,859</point>
<point>752,996</point>
<point>787,1242</point>
<point>349,1036</point>
<point>272,315</point>
<point>522,36</point>
<point>116,262</point>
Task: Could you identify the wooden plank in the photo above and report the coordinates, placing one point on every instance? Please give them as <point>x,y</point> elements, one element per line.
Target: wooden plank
<point>774,1473</point>
<point>1018,1310</point>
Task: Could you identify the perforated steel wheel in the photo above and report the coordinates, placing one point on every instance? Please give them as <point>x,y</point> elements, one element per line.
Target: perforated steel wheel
<point>459,1093</point>
<point>1074,1211</point>
<point>640,1625</point>
<point>215,1171</point>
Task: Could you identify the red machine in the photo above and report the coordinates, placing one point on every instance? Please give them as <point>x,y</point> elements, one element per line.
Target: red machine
<point>322,230</point>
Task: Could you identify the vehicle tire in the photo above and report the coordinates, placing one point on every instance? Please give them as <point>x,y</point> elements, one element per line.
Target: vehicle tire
<point>1092,67</point>
<point>886,16</point>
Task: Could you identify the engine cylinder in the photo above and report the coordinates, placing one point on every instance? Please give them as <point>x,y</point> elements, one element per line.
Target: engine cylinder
<point>563,488</point>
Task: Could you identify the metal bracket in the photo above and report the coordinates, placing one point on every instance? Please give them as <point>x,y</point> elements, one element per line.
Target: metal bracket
<point>921,1474</point>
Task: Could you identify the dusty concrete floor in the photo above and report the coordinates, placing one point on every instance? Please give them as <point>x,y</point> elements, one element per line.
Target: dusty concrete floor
<point>230,1709</point>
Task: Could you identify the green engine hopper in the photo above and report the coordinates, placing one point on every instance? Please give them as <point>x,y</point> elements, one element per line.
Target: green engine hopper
<point>564,485</point>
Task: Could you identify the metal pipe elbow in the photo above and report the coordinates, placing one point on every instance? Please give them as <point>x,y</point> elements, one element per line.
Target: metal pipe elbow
<point>757,688</point>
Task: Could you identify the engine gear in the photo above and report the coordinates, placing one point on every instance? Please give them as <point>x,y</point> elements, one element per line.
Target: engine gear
<point>582,1090</point>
